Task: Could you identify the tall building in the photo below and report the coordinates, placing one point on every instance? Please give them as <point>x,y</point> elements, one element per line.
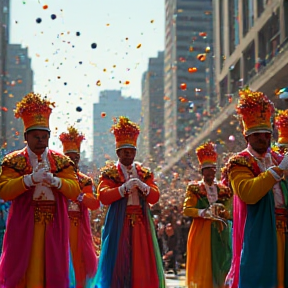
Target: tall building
<point>188,69</point>
<point>153,109</point>
<point>111,105</point>
<point>251,39</point>
<point>4,38</point>
<point>19,82</point>
<point>251,49</point>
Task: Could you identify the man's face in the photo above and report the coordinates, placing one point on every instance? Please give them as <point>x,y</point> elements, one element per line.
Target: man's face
<point>260,142</point>
<point>126,155</point>
<point>37,140</point>
<point>169,229</point>
<point>209,174</point>
<point>75,157</point>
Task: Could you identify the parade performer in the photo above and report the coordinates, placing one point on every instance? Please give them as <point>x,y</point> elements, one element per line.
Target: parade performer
<point>130,254</point>
<point>84,258</point>
<point>281,124</point>
<point>260,201</point>
<point>209,240</point>
<point>38,181</point>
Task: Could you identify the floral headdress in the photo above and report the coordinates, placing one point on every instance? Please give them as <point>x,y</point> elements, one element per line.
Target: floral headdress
<point>126,133</point>
<point>34,111</point>
<point>72,140</point>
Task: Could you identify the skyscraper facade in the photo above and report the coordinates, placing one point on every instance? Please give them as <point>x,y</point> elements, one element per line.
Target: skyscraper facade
<point>19,82</point>
<point>4,38</point>
<point>153,109</point>
<point>111,105</point>
<point>251,47</point>
<point>188,69</point>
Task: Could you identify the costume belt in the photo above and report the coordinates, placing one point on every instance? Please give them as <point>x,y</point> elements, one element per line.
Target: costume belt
<point>134,214</point>
<point>75,216</point>
<point>44,210</point>
<point>281,214</point>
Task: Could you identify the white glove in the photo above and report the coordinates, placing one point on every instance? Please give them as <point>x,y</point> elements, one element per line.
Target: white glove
<point>35,177</point>
<point>142,186</point>
<point>51,181</point>
<point>39,176</point>
<point>205,213</point>
<point>284,163</point>
<point>126,188</point>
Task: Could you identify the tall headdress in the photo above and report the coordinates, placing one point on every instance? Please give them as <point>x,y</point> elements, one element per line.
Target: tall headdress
<point>281,123</point>
<point>207,155</point>
<point>126,133</point>
<point>34,111</point>
<point>254,110</point>
<point>72,140</point>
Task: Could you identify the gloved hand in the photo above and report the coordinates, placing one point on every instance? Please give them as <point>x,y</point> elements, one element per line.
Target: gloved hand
<point>145,189</point>
<point>284,163</point>
<point>35,177</point>
<point>126,187</point>
<point>206,213</point>
<point>52,181</point>
<point>39,176</point>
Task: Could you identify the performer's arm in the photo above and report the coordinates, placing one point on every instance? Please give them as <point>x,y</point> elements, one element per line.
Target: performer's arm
<point>249,188</point>
<point>70,186</point>
<point>154,193</point>
<point>11,184</point>
<point>189,205</point>
<point>108,192</point>
<point>89,200</point>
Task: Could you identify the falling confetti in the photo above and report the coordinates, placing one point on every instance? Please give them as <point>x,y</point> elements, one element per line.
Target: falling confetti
<point>201,57</point>
<point>192,69</point>
<point>152,21</point>
<point>93,45</point>
<point>78,109</point>
<point>183,86</point>
<point>98,83</point>
<point>53,16</point>
<point>138,46</point>
<point>38,20</point>
<point>203,34</point>
<point>45,7</point>
<point>77,33</point>
<point>103,114</point>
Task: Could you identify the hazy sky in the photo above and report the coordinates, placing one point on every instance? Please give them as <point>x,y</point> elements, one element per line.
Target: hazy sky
<point>66,67</point>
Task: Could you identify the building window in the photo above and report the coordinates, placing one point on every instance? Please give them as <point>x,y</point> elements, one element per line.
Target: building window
<point>248,15</point>
<point>249,62</point>
<point>233,25</point>
<point>221,20</point>
<point>285,7</point>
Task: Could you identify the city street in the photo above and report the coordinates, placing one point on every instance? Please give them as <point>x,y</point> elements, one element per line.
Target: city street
<point>173,281</point>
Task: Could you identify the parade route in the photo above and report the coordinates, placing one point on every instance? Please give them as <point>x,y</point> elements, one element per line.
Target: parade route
<point>173,281</point>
